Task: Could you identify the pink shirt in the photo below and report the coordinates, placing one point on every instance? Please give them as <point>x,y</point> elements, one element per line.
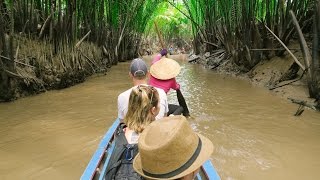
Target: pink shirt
<point>156,58</point>
<point>166,85</point>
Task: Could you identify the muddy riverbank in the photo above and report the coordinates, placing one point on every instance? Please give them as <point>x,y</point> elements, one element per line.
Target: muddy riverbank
<point>39,67</point>
<point>278,74</point>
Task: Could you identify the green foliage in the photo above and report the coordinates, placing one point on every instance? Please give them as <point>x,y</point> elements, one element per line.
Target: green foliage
<point>171,22</point>
<point>119,25</point>
<point>116,24</point>
<point>239,24</point>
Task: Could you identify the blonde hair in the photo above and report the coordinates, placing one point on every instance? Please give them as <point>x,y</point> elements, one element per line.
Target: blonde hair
<point>142,99</point>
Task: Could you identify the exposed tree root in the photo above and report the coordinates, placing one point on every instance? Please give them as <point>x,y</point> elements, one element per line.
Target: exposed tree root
<point>303,103</point>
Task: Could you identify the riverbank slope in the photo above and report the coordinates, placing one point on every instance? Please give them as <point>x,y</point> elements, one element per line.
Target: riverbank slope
<point>278,74</point>
<point>38,67</point>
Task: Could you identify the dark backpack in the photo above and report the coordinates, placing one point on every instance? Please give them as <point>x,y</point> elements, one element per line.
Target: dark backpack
<point>120,165</point>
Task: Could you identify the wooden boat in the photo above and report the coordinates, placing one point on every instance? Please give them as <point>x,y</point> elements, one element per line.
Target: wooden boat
<point>99,161</point>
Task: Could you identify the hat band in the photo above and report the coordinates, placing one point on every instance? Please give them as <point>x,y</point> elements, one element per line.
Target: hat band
<point>180,169</point>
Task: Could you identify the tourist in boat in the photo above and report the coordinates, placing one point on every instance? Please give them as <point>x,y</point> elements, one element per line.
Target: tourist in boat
<point>163,75</point>
<point>138,73</point>
<point>171,50</point>
<point>170,149</point>
<point>142,110</point>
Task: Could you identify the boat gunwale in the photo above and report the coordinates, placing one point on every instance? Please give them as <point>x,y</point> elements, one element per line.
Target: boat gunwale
<point>97,157</point>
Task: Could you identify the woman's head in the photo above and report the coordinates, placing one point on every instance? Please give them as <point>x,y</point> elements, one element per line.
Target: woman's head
<point>143,107</point>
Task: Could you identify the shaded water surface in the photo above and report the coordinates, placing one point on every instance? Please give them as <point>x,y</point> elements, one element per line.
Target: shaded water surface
<point>256,136</point>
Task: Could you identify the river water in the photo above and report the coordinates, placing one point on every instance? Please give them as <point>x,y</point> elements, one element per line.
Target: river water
<point>53,135</point>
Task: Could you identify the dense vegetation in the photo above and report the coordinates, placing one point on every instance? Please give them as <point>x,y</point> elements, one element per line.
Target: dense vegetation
<point>68,39</point>
<point>174,26</point>
<point>242,28</point>
<point>54,30</point>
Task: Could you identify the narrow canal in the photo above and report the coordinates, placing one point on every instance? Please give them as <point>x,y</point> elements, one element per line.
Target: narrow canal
<point>256,136</point>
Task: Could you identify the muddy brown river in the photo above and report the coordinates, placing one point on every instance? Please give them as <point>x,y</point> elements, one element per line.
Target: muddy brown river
<point>53,135</point>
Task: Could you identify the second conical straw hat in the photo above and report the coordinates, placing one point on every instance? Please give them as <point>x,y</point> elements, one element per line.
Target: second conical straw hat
<point>165,69</point>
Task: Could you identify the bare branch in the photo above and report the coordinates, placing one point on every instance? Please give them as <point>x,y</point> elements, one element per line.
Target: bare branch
<point>294,57</point>
<point>82,39</point>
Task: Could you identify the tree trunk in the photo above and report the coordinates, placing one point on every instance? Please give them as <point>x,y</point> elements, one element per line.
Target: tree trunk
<point>3,76</point>
<point>316,38</point>
<point>52,9</point>
<point>7,84</point>
<point>306,56</point>
<point>73,20</point>
<point>316,53</point>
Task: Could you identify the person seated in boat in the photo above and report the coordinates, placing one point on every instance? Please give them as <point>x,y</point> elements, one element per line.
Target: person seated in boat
<point>139,73</point>
<point>171,50</point>
<point>170,149</point>
<point>142,110</point>
<point>163,72</point>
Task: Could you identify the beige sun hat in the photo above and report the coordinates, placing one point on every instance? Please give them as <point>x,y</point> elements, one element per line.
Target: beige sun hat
<point>165,69</point>
<point>170,149</point>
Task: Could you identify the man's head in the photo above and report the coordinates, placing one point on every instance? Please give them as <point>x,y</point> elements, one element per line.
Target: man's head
<point>138,69</point>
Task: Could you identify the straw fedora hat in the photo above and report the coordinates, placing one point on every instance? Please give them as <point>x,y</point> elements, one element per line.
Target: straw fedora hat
<point>170,149</point>
<point>165,69</point>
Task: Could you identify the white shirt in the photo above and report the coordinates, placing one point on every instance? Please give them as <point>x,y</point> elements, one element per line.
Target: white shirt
<point>123,101</point>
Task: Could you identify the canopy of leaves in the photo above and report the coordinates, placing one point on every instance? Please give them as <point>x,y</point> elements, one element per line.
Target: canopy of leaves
<point>170,21</point>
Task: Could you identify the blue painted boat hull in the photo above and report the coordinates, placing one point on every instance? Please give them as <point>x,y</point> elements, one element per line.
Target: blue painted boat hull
<point>99,161</point>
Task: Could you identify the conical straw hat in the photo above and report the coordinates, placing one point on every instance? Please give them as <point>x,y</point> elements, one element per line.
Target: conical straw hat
<point>165,69</point>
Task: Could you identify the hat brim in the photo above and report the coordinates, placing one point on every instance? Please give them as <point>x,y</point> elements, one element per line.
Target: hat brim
<point>165,69</point>
<point>205,153</point>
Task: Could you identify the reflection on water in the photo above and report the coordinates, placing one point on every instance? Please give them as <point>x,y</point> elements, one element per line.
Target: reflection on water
<point>256,136</point>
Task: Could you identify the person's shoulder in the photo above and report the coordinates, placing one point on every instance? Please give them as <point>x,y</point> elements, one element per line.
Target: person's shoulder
<point>160,91</point>
<point>125,93</point>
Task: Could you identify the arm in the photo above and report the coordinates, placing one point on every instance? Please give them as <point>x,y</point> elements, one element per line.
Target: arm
<point>176,85</point>
<point>173,84</point>
<point>182,102</point>
<point>121,108</point>
<point>156,58</point>
<point>162,53</point>
<point>163,104</point>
